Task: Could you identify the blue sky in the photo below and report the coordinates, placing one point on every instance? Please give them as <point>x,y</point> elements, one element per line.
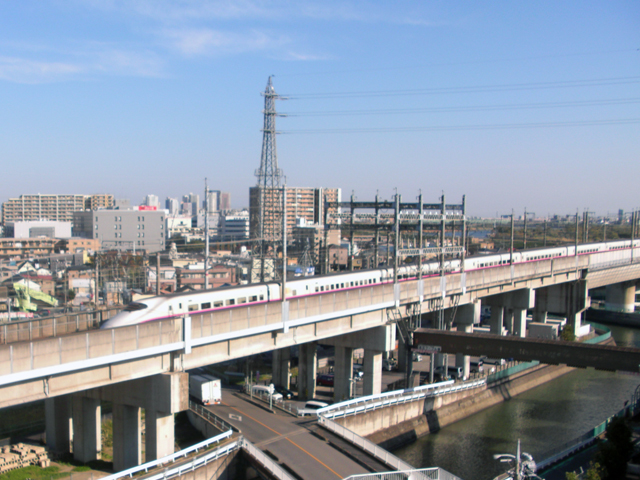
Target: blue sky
<point>515,104</point>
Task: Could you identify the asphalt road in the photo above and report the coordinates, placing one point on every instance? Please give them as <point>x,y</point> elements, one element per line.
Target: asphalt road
<point>288,438</point>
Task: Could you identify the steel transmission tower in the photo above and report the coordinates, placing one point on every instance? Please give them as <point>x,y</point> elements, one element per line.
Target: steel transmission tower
<point>269,188</point>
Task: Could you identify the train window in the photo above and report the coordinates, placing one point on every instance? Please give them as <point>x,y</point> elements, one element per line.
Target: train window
<point>342,285</point>
<point>322,288</point>
<point>253,298</point>
<point>317,289</point>
<point>231,301</point>
<point>193,308</point>
<point>332,286</point>
<point>242,300</point>
<point>205,305</point>
<point>180,306</point>
<point>352,284</point>
<point>217,304</point>
<point>261,297</point>
<point>132,307</point>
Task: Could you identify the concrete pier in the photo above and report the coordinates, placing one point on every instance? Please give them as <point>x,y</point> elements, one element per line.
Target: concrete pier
<point>621,297</point>
<point>307,369</point>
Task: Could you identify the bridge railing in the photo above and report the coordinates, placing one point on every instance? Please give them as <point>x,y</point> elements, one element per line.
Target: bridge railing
<point>368,446</point>
<point>33,329</point>
<point>185,467</point>
<point>85,350</point>
<point>434,473</point>
<point>387,399</point>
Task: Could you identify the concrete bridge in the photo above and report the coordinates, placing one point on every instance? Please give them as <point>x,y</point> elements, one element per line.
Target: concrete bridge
<point>127,366</point>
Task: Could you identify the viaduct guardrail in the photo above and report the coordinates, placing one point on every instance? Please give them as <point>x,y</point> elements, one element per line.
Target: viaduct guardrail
<point>46,327</point>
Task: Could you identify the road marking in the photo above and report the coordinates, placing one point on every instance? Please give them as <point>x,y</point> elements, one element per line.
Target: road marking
<point>292,443</point>
<point>233,416</point>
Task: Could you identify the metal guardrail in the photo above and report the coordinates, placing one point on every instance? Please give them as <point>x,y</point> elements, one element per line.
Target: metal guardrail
<point>434,473</point>
<point>368,446</point>
<point>274,468</point>
<point>202,460</point>
<point>373,402</point>
<point>211,417</point>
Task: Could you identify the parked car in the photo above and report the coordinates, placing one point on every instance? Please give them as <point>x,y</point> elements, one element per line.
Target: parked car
<point>315,405</point>
<point>324,380</point>
<point>265,391</point>
<point>285,392</point>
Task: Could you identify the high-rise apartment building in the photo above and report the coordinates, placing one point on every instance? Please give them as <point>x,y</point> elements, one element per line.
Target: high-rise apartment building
<point>302,203</point>
<point>52,207</point>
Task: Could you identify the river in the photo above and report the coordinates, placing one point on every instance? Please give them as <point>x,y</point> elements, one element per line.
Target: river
<point>542,418</point>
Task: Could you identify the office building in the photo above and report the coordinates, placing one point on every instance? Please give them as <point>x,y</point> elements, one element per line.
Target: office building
<point>172,205</point>
<point>235,226</point>
<point>123,229</point>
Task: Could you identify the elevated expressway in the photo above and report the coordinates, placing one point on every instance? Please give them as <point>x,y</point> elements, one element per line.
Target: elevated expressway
<point>60,365</point>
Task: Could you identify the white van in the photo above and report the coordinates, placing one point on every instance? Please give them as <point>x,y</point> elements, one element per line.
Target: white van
<point>264,391</point>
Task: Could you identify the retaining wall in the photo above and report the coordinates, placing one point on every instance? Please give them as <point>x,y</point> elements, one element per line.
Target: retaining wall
<point>391,429</point>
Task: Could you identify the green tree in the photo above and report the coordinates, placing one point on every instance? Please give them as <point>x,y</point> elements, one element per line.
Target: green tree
<point>614,454</point>
<point>594,472</point>
<point>567,334</point>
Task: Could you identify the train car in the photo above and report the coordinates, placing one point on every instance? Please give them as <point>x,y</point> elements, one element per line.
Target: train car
<point>179,304</point>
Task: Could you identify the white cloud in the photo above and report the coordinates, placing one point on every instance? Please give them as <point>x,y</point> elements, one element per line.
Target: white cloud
<point>206,41</point>
<point>22,70</point>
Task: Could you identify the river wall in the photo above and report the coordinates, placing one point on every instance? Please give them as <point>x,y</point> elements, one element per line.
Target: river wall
<point>396,426</point>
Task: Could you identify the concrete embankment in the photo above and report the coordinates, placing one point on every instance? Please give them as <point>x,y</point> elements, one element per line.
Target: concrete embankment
<point>399,425</point>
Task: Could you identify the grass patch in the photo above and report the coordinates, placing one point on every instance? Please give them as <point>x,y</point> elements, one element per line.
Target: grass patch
<point>34,473</point>
<point>81,468</point>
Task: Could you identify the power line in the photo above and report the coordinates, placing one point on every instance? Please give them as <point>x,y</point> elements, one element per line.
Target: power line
<point>622,121</point>
<point>471,89</point>
<point>451,64</point>
<point>472,108</point>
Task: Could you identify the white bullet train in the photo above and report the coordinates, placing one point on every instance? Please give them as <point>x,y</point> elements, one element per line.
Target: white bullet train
<point>178,304</point>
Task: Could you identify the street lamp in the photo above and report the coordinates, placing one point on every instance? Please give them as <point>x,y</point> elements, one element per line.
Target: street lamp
<point>519,469</point>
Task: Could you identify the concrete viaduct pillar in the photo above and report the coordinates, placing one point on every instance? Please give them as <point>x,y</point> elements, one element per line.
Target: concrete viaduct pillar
<point>565,299</point>
<point>374,341</point>
<point>343,373</point>
<point>87,438</point>
<point>466,317</point>
<point>307,368</point>
<point>511,308</point>
<point>161,396</point>
<point>282,367</point>
<point>58,423</point>
<point>621,297</point>
<point>127,427</point>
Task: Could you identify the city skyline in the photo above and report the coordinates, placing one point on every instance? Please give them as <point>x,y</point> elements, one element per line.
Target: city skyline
<point>513,105</point>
